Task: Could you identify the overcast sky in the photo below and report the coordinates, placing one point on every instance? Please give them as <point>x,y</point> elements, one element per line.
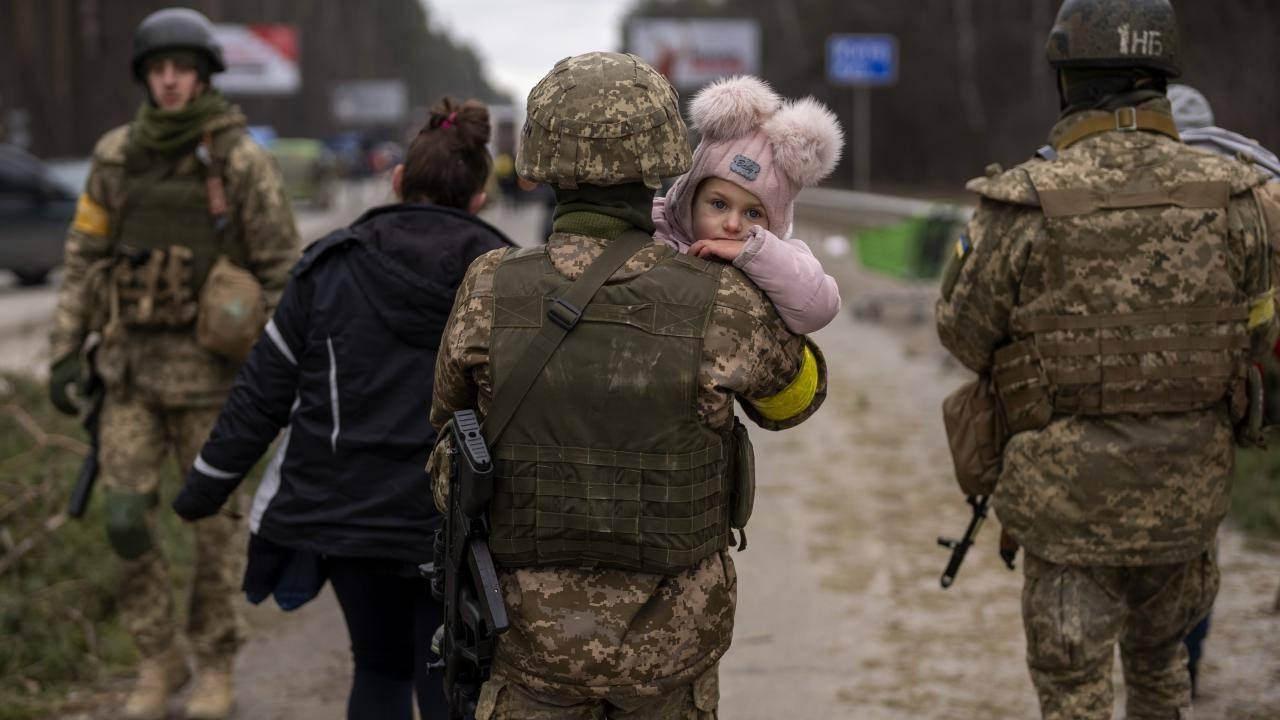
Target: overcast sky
<point>519,40</point>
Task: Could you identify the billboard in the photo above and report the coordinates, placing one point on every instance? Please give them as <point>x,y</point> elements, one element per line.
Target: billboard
<point>261,59</point>
<point>692,52</point>
<point>370,102</point>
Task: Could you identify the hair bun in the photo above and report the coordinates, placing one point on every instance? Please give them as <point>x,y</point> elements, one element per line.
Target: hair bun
<point>448,162</point>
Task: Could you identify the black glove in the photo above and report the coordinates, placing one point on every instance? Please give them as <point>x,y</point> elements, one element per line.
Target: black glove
<point>65,371</point>
<point>193,505</point>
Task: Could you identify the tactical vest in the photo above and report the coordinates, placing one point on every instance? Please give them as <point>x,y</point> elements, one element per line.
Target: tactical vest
<point>607,463</point>
<point>1142,311</point>
<point>165,237</point>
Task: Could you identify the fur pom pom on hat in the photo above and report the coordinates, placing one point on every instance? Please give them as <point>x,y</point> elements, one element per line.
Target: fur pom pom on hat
<point>806,140</point>
<point>753,138</point>
<point>733,107</point>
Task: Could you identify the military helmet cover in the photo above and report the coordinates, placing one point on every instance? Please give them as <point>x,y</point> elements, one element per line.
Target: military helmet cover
<point>1116,33</point>
<point>603,119</point>
<point>175,29</point>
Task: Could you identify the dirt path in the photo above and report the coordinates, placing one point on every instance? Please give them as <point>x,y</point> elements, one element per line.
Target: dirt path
<point>841,615</point>
<point>841,612</point>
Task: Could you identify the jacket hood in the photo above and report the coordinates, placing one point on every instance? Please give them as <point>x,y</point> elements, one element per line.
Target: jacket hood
<point>409,260</point>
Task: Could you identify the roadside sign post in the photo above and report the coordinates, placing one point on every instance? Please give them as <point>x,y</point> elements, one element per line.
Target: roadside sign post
<point>862,62</point>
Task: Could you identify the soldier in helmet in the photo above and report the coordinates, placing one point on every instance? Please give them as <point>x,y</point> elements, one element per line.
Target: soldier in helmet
<point>1194,118</point>
<point>612,509</point>
<point>182,240</point>
<point>1116,289</point>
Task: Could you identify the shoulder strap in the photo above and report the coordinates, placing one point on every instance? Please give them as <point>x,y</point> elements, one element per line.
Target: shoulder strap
<point>563,315</point>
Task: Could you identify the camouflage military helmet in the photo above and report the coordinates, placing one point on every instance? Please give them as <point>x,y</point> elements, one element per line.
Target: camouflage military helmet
<point>1116,33</point>
<point>603,119</point>
<point>175,29</point>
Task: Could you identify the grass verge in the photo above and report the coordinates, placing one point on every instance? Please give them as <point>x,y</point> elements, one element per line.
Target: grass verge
<point>1255,497</point>
<point>58,577</point>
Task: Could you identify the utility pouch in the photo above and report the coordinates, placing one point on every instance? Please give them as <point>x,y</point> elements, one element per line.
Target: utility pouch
<point>976,432</point>
<point>743,497</point>
<point>233,311</point>
<point>1023,387</point>
<point>153,287</point>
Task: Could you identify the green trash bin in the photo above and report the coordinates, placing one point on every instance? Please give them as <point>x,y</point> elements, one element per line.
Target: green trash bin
<point>914,249</point>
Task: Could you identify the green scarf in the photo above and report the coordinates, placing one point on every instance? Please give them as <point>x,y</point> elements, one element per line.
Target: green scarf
<point>169,132</point>
<point>1107,88</point>
<point>604,212</point>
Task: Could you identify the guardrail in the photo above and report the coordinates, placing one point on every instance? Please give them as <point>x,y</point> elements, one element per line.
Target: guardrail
<point>870,209</point>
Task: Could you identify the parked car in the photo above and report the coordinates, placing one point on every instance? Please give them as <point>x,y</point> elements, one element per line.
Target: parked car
<point>36,207</point>
<point>309,169</point>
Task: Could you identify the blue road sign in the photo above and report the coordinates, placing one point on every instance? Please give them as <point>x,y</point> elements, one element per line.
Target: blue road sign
<point>862,59</point>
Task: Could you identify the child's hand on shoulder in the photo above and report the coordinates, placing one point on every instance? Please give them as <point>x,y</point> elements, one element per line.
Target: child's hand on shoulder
<point>718,248</point>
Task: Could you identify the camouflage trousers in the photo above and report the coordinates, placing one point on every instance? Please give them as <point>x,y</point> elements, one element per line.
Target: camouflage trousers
<point>1075,615</point>
<point>136,439</point>
<point>504,699</point>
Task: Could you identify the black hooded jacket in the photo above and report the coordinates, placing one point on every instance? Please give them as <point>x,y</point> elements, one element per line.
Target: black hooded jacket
<point>345,368</point>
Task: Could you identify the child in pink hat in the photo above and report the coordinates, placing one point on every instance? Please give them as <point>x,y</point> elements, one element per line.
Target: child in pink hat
<point>737,201</point>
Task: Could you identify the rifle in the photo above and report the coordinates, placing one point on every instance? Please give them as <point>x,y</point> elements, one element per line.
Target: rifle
<point>463,575</point>
<point>94,391</point>
<point>960,548</point>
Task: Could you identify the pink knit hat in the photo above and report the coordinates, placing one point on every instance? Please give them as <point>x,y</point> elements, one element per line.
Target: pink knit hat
<point>753,139</point>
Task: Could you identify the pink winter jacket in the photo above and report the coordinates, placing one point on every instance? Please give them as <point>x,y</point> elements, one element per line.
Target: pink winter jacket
<point>807,298</point>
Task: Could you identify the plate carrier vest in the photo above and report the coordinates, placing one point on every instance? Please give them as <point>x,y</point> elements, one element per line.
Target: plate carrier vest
<point>606,463</point>
<point>1121,329</point>
<point>166,236</point>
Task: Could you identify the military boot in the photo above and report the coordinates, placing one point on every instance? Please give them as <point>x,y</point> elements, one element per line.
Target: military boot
<point>158,678</point>
<point>212,696</point>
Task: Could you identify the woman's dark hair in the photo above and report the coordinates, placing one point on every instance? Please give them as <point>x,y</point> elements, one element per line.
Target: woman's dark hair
<point>448,162</point>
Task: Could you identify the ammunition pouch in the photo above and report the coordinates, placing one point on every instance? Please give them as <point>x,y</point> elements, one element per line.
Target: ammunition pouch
<point>581,507</point>
<point>232,311</point>
<point>742,496</point>
<point>1018,377</point>
<point>1154,361</point>
<point>976,433</point>
<point>153,289</point>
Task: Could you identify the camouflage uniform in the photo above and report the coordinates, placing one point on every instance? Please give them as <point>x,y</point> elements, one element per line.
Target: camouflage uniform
<point>648,644</point>
<point>1116,510</point>
<point>164,390</point>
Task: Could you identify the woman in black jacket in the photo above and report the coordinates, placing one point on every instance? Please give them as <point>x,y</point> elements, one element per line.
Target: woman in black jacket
<point>345,368</point>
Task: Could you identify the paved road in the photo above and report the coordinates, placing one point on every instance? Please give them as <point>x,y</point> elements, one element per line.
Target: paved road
<point>25,312</point>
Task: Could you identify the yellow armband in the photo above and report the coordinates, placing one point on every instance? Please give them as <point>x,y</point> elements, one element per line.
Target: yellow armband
<point>91,218</point>
<point>1262,310</point>
<point>796,397</point>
